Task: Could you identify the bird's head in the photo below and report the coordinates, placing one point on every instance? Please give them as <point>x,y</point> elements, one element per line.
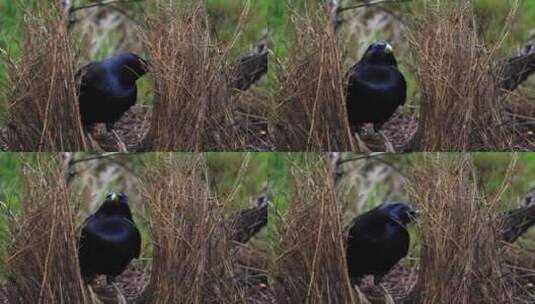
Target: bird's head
<point>400,212</point>
<point>116,198</point>
<point>115,203</point>
<point>133,65</point>
<point>380,52</point>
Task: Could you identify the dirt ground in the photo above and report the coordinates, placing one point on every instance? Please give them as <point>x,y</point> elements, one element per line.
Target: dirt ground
<point>133,126</point>
<point>397,284</point>
<point>130,284</point>
<point>135,123</point>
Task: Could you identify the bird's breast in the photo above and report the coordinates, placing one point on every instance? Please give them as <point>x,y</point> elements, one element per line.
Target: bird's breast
<point>112,230</point>
<point>381,79</point>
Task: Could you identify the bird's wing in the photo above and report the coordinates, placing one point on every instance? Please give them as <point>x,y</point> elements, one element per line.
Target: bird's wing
<point>404,90</point>
<point>349,74</point>
<point>82,71</point>
<point>137,249</point>
<point>85,75</point>
<point>84,242</point>
<point>136,239</point>
<point>371,223</point>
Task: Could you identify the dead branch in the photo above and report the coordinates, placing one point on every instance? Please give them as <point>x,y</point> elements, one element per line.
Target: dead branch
<point>335,10</point>
<point>520,219</point>
<point>69,162</point>
<point>65,7</point>
<point>252,66</point>
<point>102,3</point>
<point>518,68</point>
<point>335,161</point>
<point>248,222</point>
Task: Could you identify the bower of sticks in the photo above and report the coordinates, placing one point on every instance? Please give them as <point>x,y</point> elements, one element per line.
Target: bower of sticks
<point>211,235</point>
<point>192,66</point>
<point>220,95</point>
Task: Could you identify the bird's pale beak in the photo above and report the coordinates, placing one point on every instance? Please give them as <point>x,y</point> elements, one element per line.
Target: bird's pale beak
<point>114,197</point>
<point>389,49</point>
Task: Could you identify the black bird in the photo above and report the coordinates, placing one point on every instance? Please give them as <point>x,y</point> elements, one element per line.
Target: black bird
<point>109,239</point>
<point>108,88</point>
<point>376,87</point>
<point>377,240</point>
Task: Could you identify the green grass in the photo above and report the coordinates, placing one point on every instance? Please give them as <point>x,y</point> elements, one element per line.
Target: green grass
<point>10,37</point>
<point>492,14</point>
<point>224,16</point>
<point>11,191</point>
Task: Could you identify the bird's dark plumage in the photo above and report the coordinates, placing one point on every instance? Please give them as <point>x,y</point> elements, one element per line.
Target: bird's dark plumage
<point>377,240</point>
<point>108,88</point>
<point>376,87</point>
<point>109,239</point>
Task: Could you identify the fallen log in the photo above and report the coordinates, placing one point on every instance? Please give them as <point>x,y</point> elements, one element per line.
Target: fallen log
<point>248,222</point>
<point>519,220</point>
<point>252,66</point>
<point>517,69</point>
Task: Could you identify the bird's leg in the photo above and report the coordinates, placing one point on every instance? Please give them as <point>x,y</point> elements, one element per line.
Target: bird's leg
<point>110,279</point>
<point>109,126</point>
<point>377,126</point>
<point>377,279</point>
<point>88,128</point>
<point>356,128</point>
<point>355,281</point>
<point>370,130</point>
<point>88,279</point>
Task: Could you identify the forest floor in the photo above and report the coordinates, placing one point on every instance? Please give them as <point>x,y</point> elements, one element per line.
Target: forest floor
<point>135,124</point>
<point>254,130</point>
<point>130,284</point>
<point>398,284</point>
